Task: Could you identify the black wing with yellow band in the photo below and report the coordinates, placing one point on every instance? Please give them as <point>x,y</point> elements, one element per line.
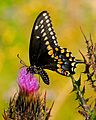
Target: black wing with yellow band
<point>43,40</point>
<point>44,50</point>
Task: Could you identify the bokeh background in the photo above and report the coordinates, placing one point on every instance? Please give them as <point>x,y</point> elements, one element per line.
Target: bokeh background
<point>16,20</point>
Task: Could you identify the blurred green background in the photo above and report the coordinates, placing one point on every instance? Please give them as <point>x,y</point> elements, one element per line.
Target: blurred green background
<point>16,20</point>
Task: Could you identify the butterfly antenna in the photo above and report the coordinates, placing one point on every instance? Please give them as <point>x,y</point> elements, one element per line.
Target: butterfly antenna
<point>21,61</point>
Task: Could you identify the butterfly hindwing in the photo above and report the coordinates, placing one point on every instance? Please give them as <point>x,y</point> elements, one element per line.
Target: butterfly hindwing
<point>65,62</point>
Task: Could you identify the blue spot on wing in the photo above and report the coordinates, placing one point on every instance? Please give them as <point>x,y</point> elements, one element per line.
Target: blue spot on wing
<point>60,56</point>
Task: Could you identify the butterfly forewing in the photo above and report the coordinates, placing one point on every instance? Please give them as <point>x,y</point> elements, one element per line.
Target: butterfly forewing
<point>43,39</point>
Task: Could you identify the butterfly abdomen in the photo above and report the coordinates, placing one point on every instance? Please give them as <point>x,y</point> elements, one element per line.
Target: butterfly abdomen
<point>44,76</point>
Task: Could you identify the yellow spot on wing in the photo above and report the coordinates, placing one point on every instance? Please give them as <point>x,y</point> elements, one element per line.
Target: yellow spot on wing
<point>67,54</point>
<point>73,63</point>
<point>46,38</point>
<point>49,47</point>
<point>44,34</point>
<point>62,50</point>
<point>42,30</point>
<point>59,70</point>
<point>70,58</point>
<point>50,52</point>
<point>58,65</point>
<point>56,49</point>
<point>56,57</point>
<point>60,62</point>
<point>47,43</point>
<point>36,27</point>
<point>52,56</point>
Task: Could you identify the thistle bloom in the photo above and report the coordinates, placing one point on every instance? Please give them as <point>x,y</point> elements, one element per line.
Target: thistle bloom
<point>28,104</point>
<point>27,82</point>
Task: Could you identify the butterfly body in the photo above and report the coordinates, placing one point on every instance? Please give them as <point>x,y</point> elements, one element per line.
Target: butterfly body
<point>39,70</point>
<point>44,51</point>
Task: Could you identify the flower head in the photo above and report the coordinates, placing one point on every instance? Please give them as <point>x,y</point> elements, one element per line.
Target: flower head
<point>27,82</point>
<point>26,105</point>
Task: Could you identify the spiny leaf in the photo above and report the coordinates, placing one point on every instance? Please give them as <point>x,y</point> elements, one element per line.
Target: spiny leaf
<point>87,99</point>
<point>48,115</point>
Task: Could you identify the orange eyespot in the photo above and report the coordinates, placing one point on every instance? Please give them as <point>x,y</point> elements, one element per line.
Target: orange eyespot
<point>66,73</point>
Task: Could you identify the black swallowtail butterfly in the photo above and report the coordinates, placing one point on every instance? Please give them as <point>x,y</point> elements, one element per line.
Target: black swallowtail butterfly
<point>45,53</point>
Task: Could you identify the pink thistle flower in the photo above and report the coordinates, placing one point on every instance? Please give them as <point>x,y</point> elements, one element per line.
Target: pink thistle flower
<point>27,82</point>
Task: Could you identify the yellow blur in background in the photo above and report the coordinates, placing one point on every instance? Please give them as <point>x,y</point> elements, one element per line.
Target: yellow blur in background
<point>16,20</point>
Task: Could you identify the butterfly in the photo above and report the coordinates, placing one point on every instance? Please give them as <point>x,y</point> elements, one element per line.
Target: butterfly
<point>45,53</point>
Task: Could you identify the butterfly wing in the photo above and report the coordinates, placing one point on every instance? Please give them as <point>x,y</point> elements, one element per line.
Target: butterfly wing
<point>42,41</point>
<point>44,50</point>
<point>65,62</point>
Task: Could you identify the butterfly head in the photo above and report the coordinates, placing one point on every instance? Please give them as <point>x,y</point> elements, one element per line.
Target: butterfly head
<point>32,69</point>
